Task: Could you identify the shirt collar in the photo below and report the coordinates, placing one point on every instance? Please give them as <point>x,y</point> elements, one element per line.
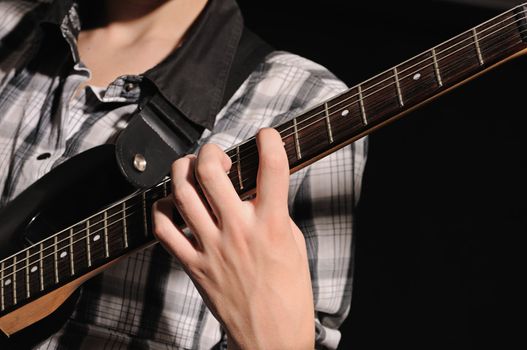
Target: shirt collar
<point>194,76</point>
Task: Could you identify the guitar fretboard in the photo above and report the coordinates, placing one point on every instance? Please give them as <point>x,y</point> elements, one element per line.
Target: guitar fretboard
<point>79,249</point>
<point>360,109</point>
<point>126,225</point>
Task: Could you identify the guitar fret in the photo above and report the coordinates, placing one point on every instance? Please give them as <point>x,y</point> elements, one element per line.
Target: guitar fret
<point>165,192</point>
<point>328,123</point>
<point>297,141</point>
<point>14,280</point>
<point>8,269</point>
<point>33,279</point>
<point>28,294</point>
<point>436,68</point>
<point>105,223</point>
<point>2,303</point>
<point>56,260</point>
<point>88,244</point>
<point>41,265</point>
<point>125,228</point>
<point>478,48</point>
<point>398,86</point>
<point>97,239</point>
<point>72,257</point>
<point>362,107</point>
<point>31,271</point>
<point>145,222</point>
<point>239,167</point>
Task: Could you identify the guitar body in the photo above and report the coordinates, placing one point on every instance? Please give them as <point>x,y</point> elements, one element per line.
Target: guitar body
<point>74,190</point>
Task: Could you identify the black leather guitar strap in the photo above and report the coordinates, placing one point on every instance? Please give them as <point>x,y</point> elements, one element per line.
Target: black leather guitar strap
<point>158,133</point>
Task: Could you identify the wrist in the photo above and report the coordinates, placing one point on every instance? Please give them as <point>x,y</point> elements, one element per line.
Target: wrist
<point>272,335</point>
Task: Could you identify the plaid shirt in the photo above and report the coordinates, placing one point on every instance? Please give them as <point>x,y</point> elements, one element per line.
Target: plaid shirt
<point>147,301</point>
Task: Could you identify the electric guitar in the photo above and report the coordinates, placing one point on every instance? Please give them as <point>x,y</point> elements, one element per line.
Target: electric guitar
<point>83,216</point>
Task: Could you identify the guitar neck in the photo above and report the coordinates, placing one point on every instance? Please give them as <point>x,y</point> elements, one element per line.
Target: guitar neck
<point>126,226</point>
<point>389,95</point>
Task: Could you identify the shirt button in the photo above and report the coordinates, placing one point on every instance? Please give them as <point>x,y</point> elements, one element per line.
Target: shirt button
<point>129,87</point>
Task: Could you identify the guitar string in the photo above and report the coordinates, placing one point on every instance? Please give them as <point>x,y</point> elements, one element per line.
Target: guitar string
<point>93,233</point>
<point>98,250</point>
<point>402,78</point>
<point>61,272</point>
<point>21,287</point>
<point>334,113</point>
<point>131,197</point>
<point>250,153</point>
<point>159,187</point>
<point>408,90</point>
<point>26,259</point>
<point>119,213</point>
<point>416,64</point>
<point>307,138</point>
<point>340,102</point>
<point>64,248</point>
<point>63,269</point>
<point>310,140</point>
<point>322,115</point>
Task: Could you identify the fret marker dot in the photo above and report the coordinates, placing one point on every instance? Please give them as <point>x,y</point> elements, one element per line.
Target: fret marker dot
<point>96,238</point>
<point>34,269</point>
<point>345,112</point>
<point>7,282</point>
<point>63,254</point>
<point>417,76</point>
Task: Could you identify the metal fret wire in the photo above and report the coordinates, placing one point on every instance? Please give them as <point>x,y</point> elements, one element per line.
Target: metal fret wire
<point>387,79</point>
<point>250,167</point>
<point>120,212</point>
<point>303,127</point>
<point>409,87</point>
<point>79,239</point>
<point>250,150</point>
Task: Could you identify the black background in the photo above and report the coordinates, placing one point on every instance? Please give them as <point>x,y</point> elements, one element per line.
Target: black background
<point>442,214</point>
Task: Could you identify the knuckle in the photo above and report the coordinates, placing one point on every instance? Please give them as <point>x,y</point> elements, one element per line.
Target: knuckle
<point>199,272</point>
<point>181,193</point>
<point>206,170</point>
<point>208,149</point>
<point>179,165</point>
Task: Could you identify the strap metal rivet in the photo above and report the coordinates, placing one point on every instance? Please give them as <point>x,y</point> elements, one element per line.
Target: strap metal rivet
<point>129,87</point>
<point>139,162</point>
